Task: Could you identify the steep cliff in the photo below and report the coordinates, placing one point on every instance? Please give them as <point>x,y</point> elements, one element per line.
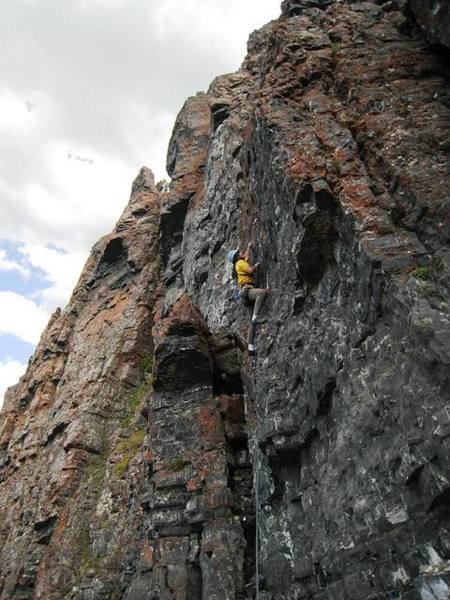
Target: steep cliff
<point>71,427</point>
<point>144,448</point>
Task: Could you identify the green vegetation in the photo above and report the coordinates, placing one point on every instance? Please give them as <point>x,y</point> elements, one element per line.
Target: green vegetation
<point>335,49</point>
<point>129,447</point>
<point>126,449</point>
<point>87,560</point>
<point>140,391</point>
<point>423,273</point>
<point>177,465</point>
<point>133,402</point>
<point>163,186</point>
<point>147,364</point>
<point>95,473</point>
<point>95,470</point>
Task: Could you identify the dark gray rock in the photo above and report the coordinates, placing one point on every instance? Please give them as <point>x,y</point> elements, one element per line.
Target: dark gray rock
<point>346,398</point>
<point>328,149</point>
<point>292,8</point>
<point>433,16</point>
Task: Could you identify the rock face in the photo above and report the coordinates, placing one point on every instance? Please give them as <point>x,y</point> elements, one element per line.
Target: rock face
<point>143,447</point>
<point>68,429</point>
<point>434,18</point>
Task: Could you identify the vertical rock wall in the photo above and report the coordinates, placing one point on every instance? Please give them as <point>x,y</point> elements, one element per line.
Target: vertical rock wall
<point>329,149</point>
<point>71,427</point>
<point>132,461</point>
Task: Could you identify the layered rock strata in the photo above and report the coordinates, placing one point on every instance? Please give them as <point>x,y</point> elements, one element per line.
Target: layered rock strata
<point>71,427</point>
<point>329,149</point>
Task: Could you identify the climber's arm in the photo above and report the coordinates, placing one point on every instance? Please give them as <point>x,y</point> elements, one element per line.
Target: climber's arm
<point>246,256</point>
<point>247,252</point>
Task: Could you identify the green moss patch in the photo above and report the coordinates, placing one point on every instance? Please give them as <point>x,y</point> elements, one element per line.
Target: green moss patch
<point>423,273</point>
<point>128,447</point>
<point>137,395</point>
<point>335,49</point>
<point>147,364</point>
<point>177,465</point>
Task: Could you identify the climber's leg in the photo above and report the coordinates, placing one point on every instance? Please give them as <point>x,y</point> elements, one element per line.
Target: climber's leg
<point>258,296</point>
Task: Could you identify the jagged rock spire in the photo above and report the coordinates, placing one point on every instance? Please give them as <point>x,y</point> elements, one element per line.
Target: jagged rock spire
<point>145,180</point>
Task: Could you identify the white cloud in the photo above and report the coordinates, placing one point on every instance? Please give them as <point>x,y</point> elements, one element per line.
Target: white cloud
<point>62,269</point>
<point>148,133</point>
<point>80,202</point>
<point>21,317</point>
<point>96,190</point>
<point>224,24</point>
<point>93,4</point>
<point>102,80</point>
<point>15,113</point>
<point>10,373</point>
<point>11,265</point>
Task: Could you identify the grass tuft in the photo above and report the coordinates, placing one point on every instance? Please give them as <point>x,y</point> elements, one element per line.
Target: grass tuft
<point>423,273</point>
<point>177,465</point>
<point>129,447</point>
<point>335,49</point>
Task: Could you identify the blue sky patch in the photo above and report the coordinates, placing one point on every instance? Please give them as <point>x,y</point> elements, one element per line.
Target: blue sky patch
<point>13,347</point>
<point>12,281</point>
<point>15,281</point>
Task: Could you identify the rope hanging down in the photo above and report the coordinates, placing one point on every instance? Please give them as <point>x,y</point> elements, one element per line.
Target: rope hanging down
<point>257,519</point>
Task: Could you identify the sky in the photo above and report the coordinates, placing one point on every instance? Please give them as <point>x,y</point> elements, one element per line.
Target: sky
<point>89,92</point>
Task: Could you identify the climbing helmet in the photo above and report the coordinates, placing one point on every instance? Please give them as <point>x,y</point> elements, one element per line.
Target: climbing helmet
<point>232,255</point>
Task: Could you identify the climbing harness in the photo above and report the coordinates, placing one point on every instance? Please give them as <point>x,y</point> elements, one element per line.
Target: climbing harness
<point>243,292</point>
<point>240,294</point>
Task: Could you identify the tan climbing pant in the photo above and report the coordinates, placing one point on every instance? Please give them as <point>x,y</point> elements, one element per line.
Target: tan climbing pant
<point>258,296</point>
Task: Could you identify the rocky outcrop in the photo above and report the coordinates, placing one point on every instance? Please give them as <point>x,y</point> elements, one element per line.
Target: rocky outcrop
<point>433,16</point>
<point>329,148</point>
<point>199,493</point>
<point>328,173</point>
<point>71,427</point>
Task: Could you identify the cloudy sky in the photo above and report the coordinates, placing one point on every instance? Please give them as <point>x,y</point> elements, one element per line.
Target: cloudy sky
<point>89,90</point>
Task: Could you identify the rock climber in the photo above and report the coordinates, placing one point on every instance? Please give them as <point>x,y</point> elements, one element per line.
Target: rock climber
<point>248,292</point>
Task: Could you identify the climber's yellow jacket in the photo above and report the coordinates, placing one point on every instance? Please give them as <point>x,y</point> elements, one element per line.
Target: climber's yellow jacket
<point>244,273</point>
